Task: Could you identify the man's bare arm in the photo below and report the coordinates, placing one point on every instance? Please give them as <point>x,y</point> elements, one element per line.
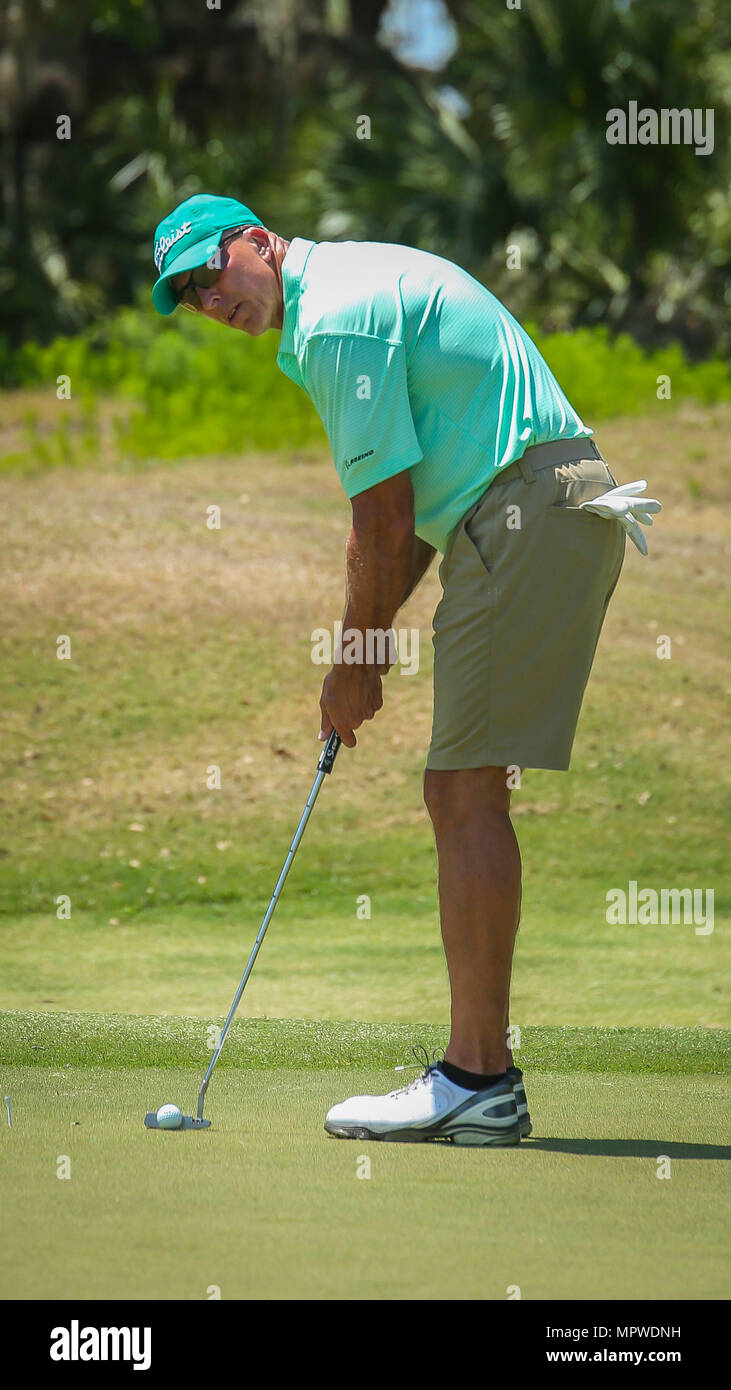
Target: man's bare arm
<point>423,555</point>
<point>380,554</point>
<point>385,508</point>
<point>380,571</point>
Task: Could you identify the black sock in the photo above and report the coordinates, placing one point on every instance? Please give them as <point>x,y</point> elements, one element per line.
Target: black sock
<point>469,1080</point>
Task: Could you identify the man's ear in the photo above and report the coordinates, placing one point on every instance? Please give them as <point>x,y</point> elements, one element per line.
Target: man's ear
<point>258,237</point>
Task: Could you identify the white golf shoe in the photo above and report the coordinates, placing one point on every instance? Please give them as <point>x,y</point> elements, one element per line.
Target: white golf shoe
<point>431,1109</point>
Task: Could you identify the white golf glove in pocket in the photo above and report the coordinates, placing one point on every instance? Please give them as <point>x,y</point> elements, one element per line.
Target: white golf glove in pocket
<point>619,504</point>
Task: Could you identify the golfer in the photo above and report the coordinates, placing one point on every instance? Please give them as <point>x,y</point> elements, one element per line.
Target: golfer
<point>450,435</point>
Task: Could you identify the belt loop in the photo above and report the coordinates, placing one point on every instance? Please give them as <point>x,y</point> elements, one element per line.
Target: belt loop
<point>526,471</point>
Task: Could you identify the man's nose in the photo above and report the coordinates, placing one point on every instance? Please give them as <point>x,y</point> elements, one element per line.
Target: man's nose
<point>209,299</point>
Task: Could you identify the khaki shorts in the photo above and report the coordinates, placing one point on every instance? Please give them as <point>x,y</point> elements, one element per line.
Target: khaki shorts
<point>521,611</point>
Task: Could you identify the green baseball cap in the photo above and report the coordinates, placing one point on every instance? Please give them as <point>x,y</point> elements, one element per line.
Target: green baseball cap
<point>189,237</point>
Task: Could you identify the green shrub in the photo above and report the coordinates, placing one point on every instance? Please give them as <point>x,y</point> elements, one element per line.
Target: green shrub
<point>192,387</point>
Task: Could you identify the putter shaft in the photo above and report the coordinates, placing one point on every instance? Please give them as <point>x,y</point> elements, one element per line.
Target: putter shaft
<point>324,766</point>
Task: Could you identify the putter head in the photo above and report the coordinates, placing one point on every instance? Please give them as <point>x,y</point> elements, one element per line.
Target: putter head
<point>188,1122</point>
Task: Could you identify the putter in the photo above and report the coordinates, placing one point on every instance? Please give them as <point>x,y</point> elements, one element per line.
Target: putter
<point>324,766</point>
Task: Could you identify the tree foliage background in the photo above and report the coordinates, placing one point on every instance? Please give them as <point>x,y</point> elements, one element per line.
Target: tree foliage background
<point>487,129</point>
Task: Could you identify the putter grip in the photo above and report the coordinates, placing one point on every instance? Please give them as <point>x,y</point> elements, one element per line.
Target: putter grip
<point>327,756</point>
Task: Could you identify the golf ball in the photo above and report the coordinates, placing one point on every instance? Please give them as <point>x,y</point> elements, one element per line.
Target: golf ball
<point>169,1117</point>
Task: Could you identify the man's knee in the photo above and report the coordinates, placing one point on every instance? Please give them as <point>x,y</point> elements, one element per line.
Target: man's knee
<point>454,797</point>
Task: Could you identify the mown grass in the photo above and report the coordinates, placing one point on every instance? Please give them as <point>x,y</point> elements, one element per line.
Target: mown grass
<point>263,1205</point>
<point>34,1038</point>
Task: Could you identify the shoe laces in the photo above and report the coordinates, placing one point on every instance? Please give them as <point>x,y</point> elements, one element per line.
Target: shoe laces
<point>423,1060</point>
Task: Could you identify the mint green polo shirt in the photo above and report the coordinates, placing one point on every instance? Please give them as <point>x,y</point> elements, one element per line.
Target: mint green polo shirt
<point>411,363</point>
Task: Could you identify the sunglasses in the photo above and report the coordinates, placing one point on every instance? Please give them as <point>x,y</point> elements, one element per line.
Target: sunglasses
<point>204,276</point>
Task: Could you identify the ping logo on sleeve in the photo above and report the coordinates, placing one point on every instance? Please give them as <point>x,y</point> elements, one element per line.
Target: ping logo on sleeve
<point>358,457</point>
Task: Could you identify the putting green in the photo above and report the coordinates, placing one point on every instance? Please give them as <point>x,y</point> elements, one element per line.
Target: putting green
<point>265,1206</point>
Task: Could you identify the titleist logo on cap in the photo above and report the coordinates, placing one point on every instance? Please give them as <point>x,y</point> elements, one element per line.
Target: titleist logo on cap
<point>165,242</point>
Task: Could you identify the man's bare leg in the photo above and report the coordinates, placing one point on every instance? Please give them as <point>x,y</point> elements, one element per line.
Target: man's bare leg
<point>479,899</point>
